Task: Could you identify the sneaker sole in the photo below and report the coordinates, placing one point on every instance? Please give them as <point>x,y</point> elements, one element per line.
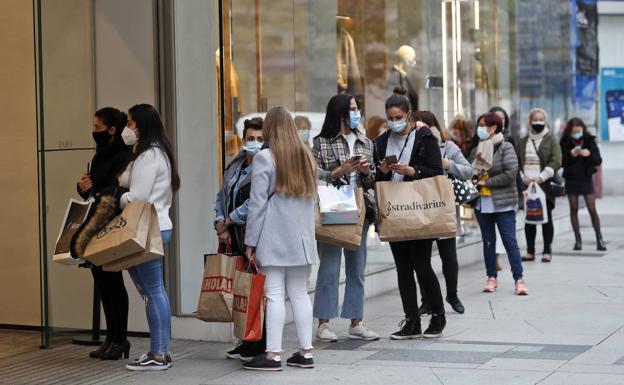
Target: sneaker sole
<point>355,337</point>
<point>401,338</point>
<point>264,369</point>
<point>522,293</point>
<point>232,356</point>
<point>326,339</point>
<point>301,366</point>
<point>432,335</point>
<point>147,368</point>
<point>246,359</point>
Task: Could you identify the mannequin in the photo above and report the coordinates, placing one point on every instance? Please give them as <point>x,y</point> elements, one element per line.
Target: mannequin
<point>405,59</point>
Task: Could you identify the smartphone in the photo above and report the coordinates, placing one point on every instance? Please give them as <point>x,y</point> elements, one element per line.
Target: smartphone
<point>391,159</point>
<point>88,167</point>
<point>355,159</point>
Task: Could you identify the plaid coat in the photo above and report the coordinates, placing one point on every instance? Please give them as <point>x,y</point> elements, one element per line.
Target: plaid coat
<point>331,153</point>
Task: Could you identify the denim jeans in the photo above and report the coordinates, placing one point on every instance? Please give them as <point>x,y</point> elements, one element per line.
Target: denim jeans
<point>326,294</point>
<point>148,279</point>
<point>506,223</point>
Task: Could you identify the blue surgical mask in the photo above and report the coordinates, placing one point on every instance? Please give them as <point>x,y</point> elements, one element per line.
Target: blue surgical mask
<point>482,133</point>
<point>398,126</point>
<point>252,147</point>
<point>577,135</point>
<point>354,119</point>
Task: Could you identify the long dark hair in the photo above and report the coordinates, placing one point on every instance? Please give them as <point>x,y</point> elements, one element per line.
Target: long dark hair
<point>574,122</point>
<point>112,117</point>
<point>152,134</point>
<point>501,109</point>
<point>429,119</point>
<point>337,112</point>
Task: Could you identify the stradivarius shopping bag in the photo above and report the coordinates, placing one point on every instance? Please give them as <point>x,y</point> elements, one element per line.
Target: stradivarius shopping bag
<point>248,311</point>
<point>216,298</point>
<point>535,205</point>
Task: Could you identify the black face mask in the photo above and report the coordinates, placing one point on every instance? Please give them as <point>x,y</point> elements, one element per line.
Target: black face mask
<point>102,138</point>
<point>538,127</point>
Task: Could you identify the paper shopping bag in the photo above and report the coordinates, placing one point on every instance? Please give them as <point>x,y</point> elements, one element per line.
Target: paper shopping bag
<point>347,236</point>
<point>125,235</point>
<point>216,298</point>
<point>248,311</point>
<point>75,215</point>
<point>535,205</point>
<point>154,248</point>
<point>338,205</point>
<point>420,209</point>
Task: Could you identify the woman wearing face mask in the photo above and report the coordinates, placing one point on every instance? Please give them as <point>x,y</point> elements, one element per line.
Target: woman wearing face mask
<point>580,158</point>
<point>110,159</point>
<point>335,150</point>
<point>495,166</point>
<point>539,157</point>
<point>231,210</point>
<point>456,165</point>
<point>418,155</point>
<point>152,176</point>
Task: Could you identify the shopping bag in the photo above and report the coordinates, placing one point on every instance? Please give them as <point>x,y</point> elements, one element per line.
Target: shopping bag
<point>75,215</point>
<point>154,248</point>
<point>465,191</point>
<point>248,311</point>
<point>534,205</point>
<point>347,236</point>
<point>338,205</point>
<point>125,235</point>
<point>216,298</point>
<point>420,209</point>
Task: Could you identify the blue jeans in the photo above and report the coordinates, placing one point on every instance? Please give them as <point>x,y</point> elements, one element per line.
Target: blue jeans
<point>506,223</point>
<point>326,295</point>
<point>148,279</point>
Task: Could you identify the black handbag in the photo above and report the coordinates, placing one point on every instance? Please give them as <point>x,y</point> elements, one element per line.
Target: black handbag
<point>554,187</point>
<point>465,191</point>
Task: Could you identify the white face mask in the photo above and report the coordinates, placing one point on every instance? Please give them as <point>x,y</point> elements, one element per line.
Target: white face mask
<point>129,136</point>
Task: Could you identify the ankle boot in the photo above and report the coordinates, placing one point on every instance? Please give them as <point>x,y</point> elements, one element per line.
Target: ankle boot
<point>578,244</point>
<point>600,243</point>
<point>96,353</point>
<point>116,351</point>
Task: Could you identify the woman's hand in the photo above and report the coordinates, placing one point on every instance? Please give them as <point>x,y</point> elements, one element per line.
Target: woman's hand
<point>225,237</point>
<point>363,166</point>
<point>575,152</point>
<point>250,253</point>
<point>402,169</point>
<point>345,168</point>
<point>585,153</point>
<point>527,181</point>
<point>481,183</point>
<point>85,183</point>
<point>445,163</point>
<point>383,167</point>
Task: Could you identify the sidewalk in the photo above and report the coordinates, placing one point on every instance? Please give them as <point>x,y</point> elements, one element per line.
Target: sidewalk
<point>568,330</point>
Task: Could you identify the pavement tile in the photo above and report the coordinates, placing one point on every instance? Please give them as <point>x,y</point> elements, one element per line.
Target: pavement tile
<point>450,347</point>
<point>450,376</point>
<point>434,356</point>
<point>522,364</point>
<point>561,378</point>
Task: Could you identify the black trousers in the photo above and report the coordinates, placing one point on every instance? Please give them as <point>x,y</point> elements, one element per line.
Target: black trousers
<point>410,257</point>
<point>114,301</point>
<point>548,231</point>
<point>447,249</point>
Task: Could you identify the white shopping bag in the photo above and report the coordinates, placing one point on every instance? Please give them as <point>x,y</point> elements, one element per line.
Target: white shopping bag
<point>338,205</point>
<point>535,205</point>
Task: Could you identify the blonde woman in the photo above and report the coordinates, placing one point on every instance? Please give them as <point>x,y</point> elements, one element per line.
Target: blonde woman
<point>280,235</point>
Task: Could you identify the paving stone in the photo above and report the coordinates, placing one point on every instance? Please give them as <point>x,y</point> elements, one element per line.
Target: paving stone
<point>467,347</point>
<point>522,364</point>
<point>433,356</point>
<point>450,376</point>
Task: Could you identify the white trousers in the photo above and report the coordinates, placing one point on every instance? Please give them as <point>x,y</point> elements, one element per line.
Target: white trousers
<point>291,281</point>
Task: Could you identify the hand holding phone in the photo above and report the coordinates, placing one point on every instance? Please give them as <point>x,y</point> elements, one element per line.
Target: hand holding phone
<point>355,159</point>
<point>391,159</point>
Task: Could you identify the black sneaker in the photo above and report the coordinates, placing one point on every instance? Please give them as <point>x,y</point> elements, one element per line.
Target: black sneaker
<point>235,353</point>
<point>251,350</point>
<point>410,329</point>
<point>456,304</point>
<point>424,309</point>
<point>150,361</point>
<point>436,325</point>
<point>306,361</point>
<point>263,363</point>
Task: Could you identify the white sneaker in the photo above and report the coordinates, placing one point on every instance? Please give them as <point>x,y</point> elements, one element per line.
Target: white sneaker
<point>324,333</point>
<point>362,332</point>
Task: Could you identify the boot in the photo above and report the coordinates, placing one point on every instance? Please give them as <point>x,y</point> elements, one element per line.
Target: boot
<point>116,351</point>
<point>578,244</point>
<point>104,347</point>
<point>600,243</point>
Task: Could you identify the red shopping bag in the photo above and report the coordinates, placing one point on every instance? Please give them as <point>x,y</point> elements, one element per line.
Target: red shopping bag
<point>248,310</point>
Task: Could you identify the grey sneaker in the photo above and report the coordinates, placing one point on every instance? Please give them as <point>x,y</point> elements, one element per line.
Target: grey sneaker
<point>324,333</point>
<point>362,332</point>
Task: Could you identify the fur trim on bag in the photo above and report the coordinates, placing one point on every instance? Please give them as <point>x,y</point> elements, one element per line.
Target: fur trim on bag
<point>104,209</point>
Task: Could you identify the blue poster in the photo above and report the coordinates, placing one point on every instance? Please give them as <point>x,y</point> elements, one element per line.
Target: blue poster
<point>612,104</point>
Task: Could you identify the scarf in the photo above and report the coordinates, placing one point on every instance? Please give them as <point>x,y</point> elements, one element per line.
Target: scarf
<point>485,153</point>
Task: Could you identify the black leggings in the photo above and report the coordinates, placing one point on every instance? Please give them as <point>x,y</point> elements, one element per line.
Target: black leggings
<point>447,248</point>
<point>590,201</point>
<point>114,301</point>
<point>410,257</point>
<point>548,231</point>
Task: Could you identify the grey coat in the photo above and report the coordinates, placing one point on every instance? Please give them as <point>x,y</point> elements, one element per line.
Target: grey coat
<point>280,228</point>
<point>459,167</point>
<point>502,179</point>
